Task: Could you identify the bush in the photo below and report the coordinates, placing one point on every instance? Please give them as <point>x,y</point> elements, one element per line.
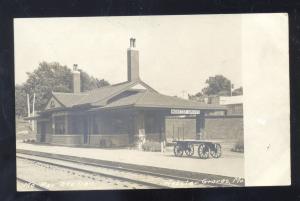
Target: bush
<point>151,146</point>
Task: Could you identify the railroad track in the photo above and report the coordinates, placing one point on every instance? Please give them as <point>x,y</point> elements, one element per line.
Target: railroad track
<point>119,176</point>
<point>28,185</point>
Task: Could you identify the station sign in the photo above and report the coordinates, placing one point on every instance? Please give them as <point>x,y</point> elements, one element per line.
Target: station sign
<point>181,111</point>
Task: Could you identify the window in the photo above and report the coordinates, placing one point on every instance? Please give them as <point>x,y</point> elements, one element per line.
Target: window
<point>52,104</point>
<point>119,126</point>
<point>76,124</point>
<point>96,129</point>
<point>150,124</point>
<point>59,125</point>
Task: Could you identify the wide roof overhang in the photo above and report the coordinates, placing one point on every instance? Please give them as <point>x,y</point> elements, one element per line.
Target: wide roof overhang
<point>158,107</point>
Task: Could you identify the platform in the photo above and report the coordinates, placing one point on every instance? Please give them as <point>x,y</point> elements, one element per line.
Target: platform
<point>230,164</point>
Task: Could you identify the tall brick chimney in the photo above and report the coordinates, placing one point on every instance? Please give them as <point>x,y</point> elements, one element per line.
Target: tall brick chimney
<point>132,62</point>
<point>76,79</point>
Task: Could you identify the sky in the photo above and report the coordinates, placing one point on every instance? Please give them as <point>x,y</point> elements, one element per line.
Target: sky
<point>177,53</point>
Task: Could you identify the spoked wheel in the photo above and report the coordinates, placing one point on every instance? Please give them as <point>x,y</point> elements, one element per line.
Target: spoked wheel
<point>178,151</point>
<point>216,152</point>
<point>189,150</point>
<point>203,151</point>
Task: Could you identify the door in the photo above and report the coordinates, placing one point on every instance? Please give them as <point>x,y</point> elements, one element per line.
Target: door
<point>43,131</point>
<point>85,130</point>
<point>131,129</point>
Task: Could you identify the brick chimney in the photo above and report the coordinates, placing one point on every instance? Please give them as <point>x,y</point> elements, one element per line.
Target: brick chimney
<point>76,79</point>
<point>132,62</point>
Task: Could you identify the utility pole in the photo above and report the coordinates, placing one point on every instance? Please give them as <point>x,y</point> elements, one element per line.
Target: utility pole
<point>33,111</point>
<point>231,87</point>
<point>28,106</point>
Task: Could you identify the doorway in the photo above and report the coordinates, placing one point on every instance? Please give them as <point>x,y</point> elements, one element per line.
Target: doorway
<point>43,131</point>
<point>85,130</point>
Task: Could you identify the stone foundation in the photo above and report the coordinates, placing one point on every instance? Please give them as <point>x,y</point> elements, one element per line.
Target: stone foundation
<point>67,139</point>
<point>48,138</point>
<point>109,140</point>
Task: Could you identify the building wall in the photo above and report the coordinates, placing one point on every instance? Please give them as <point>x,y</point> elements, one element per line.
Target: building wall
<point>93,140</point>
<point>67,139</point>
<point>48,138</point>
<point>109,140</point>
<point>153,137</point>
<point>116,130</point>
<point>226,128</point>
<point>153,126</point>
<point>38,137</point>
<point>75,125</point>
<point>100,128</point>
<point>47,131</point>
<point>235,109</point>
<point>110,124</point>
<point>180,128</point>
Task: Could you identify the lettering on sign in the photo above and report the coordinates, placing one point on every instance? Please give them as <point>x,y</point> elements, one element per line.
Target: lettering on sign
<point>180,111</point>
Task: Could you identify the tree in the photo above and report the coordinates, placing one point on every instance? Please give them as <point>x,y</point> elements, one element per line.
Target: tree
<point>89,82</point>
<point>217,85</point>
<point>50,77</point>
<point>238,91</point>
<point>102,83</point>
<point>197,97</point>
<point>46,78</point>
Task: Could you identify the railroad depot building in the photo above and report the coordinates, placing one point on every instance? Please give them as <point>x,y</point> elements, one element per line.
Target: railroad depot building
<point>123,114</point>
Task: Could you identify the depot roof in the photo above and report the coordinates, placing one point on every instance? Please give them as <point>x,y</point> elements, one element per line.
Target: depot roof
<point>137,94</point>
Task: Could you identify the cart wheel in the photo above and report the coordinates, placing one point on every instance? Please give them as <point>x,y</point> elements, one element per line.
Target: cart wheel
<point>203,151</point>
<point>190,150</point>
<point>178,151</point>
<point>216,152</point>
